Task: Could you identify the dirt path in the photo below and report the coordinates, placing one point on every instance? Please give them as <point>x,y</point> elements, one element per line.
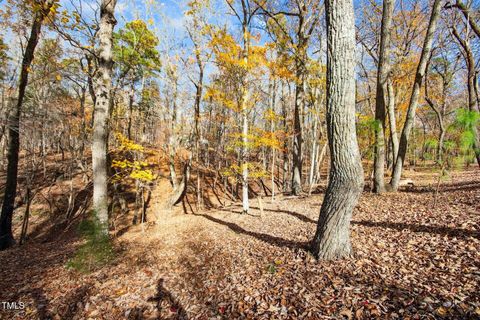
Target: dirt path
<point>411,261</point>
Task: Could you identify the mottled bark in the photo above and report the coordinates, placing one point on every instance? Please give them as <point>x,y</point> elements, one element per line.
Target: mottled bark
<point>332,239</point>
<point>412,107</point>
<point>103,85</point>
<point>6,236</point>
<point>382,96</point>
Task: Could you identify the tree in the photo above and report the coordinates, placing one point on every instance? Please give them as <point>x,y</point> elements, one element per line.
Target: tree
<point>244,12</point>
<point>466,13</point>
<point>3,58</point>
<point>195,26</point>
<point>103,84</point>
<point>306,17</point>
<point>412,107</point>
<point>382,96</point>
<point>440,72</point>
<point>41,9</point>
<point>332,239</point>
<point>136,57</point>
<point>472,83</point>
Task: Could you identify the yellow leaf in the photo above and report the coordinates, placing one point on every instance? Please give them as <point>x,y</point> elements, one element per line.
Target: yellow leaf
<point>442,311</point>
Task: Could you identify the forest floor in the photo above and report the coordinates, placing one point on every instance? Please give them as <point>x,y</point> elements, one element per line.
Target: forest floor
<point>412,260</point>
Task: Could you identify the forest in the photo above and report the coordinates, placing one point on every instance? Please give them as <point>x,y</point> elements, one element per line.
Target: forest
<point>239,159</point>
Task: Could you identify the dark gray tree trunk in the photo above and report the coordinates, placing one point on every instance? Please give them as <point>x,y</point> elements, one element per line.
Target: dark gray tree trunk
<point>412,107</point>
<point>332,239</point>
<point>6,235</point>
<point>103,85</point>
<point>382,97</point>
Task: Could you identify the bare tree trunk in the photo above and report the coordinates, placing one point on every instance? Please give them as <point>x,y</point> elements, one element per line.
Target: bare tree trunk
<point>412,108</point>
<point>314,153</point>
<point>26,217</point>
<point>285,141</point>
<point>297,127</point>
<point>244,157</point>
<point>332,239</point>
<point>180,190</point>
<point>392,121</point>
<point>103,86</point>
<point>198,99</point>
<point>272,131</point>
<point>6,235</point>
<point>467,14</point>
<point>131,97</point>
<point>439,113</point>
<point>244,101</point>
<point>382,95</point>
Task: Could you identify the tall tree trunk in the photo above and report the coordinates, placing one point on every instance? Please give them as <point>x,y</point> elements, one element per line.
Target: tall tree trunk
<point>392,120</point>
<point>285,140</point>
<point>244,101</point>
<point>131,98</point>
<point>198,99</point>
<point>314,153</point>
<point>412,107</point>
<point>90,82</point>
<point>332,239</point>
<point>6,235</point>
<point>273,104</point>
<point>245,203</point>
<point>297,124</point>
<point>172,145</point>
<point>103,85</point>
<point>382,96</point>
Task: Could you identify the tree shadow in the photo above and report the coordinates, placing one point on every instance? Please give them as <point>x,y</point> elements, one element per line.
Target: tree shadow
<point>210,185</point>
<point>70,303</point>
<point>34,262</point>
<point>291,213</point>
<point>52,227</point>
<point>272,240</point>
<point>41,303</point>
<point>163,295</point>
<point>435,229</point>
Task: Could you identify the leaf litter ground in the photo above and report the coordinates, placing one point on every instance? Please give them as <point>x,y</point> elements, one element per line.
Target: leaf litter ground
<point>411,261</point>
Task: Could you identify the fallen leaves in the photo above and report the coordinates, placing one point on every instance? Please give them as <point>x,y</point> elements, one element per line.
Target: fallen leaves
<point>411,261</point>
